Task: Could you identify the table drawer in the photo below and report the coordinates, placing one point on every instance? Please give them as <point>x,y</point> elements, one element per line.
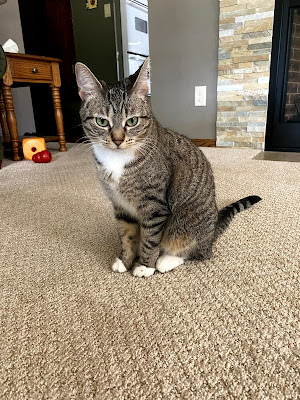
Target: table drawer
<point>33,70</point>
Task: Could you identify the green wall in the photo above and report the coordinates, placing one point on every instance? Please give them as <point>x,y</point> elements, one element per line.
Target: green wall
<point>95,38</point>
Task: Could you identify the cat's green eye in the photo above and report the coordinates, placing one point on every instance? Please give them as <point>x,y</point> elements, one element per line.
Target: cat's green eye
<point>132,121</point>
<point>102,122</point>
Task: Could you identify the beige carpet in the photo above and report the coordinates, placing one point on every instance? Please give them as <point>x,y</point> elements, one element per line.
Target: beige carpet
<point>72,329</point>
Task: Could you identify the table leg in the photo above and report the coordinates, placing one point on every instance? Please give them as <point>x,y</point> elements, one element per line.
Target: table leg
<point>58,118</point>
<point>3,120</point>
<point>12,122</point>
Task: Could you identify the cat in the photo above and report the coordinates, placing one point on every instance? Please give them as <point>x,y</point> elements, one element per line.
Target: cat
<point>160,184</point>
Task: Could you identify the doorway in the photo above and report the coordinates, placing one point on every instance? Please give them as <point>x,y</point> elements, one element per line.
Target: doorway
<point>48,31</point>
<point>135,34</point>
<point>283,121</point>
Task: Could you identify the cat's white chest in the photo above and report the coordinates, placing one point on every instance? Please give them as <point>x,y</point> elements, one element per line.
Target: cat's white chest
<point>113,161</point>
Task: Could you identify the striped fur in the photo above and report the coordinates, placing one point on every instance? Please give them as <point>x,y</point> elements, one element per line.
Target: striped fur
<point>160,184</point>
<point>227,213</point>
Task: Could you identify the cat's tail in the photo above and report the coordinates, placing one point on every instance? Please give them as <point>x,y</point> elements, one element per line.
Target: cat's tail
<point>226,214</point>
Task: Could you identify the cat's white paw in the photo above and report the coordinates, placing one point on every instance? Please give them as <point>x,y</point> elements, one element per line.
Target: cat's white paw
<point>118,266</point>
<point>166,263</point>
<point>142,271</point>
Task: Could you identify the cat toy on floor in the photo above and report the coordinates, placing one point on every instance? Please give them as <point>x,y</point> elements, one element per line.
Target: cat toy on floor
<point>35,149</point>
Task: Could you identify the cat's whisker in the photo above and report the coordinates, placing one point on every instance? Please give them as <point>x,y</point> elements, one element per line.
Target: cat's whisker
<point>87,151</point>
<point>87,141</point>
<point>146,150</point>
<point>145,142</point>
<point>83,152</point>
<point>76,126</point>
<point>82,148</point>
<point>82,144</point>
<point>83,139</point>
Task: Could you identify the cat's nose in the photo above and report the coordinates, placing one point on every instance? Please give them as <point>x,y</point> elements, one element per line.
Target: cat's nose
<point>118,142</point>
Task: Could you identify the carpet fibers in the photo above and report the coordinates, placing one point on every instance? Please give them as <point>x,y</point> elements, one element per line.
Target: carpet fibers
<point>227,328</point>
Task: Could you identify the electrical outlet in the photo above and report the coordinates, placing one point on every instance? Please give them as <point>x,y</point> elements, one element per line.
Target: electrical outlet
<point>200,96</point>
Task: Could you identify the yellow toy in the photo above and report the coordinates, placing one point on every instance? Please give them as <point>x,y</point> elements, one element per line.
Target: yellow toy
<point>32,146</point>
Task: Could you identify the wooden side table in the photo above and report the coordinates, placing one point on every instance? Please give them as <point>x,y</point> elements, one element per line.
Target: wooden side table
<point>30,69</point>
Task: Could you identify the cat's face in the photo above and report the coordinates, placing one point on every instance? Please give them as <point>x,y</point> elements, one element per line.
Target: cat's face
<point>114,116</point>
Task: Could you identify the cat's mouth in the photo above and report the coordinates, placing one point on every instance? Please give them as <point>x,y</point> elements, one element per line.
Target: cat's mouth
<point>124,145</point>
<point>119,147</point>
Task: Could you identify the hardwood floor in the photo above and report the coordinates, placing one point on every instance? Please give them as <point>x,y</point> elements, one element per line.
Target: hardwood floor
<point>278,156</point>
<point>205,142</point>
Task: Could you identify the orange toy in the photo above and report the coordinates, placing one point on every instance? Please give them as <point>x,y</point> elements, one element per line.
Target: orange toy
<point>32,146</point>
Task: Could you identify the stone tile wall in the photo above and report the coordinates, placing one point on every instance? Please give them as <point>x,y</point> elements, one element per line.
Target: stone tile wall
<point>245,41</point>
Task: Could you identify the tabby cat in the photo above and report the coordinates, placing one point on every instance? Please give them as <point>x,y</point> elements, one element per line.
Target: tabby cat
<point>160,184</point>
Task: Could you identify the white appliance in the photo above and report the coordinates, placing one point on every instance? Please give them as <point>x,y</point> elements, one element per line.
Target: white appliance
<point>135,34</point>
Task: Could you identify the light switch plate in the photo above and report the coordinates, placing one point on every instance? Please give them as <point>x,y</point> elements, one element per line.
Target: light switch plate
<point>107,10</point>
<point>200,96</point>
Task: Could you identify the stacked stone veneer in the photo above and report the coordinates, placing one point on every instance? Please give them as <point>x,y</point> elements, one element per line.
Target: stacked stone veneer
<point>245,41</point>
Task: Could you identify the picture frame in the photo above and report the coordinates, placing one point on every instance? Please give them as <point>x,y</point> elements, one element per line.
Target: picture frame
<point>90,4</point>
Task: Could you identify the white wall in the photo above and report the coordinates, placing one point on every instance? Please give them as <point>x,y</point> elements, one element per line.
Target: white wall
<point>184,54</point>
<point>10,28</point>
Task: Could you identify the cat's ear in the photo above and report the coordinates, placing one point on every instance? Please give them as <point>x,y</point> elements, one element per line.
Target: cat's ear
<point>86,81</point>
<point>140,85</point>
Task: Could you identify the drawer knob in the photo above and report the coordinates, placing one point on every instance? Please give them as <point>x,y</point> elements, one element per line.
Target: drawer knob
<point>35,70</point>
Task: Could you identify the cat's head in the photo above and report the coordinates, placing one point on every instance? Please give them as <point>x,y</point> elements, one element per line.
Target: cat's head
<point>115,116</point>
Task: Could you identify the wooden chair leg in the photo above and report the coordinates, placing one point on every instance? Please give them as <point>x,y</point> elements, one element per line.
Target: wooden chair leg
<point>3,120</point>
<point>12,122</point>
<point>58,118</point>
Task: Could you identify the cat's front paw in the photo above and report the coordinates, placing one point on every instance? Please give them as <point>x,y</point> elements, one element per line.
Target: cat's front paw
<point>118,266</point>
<point>166,263</point>
<point>142,271</point>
